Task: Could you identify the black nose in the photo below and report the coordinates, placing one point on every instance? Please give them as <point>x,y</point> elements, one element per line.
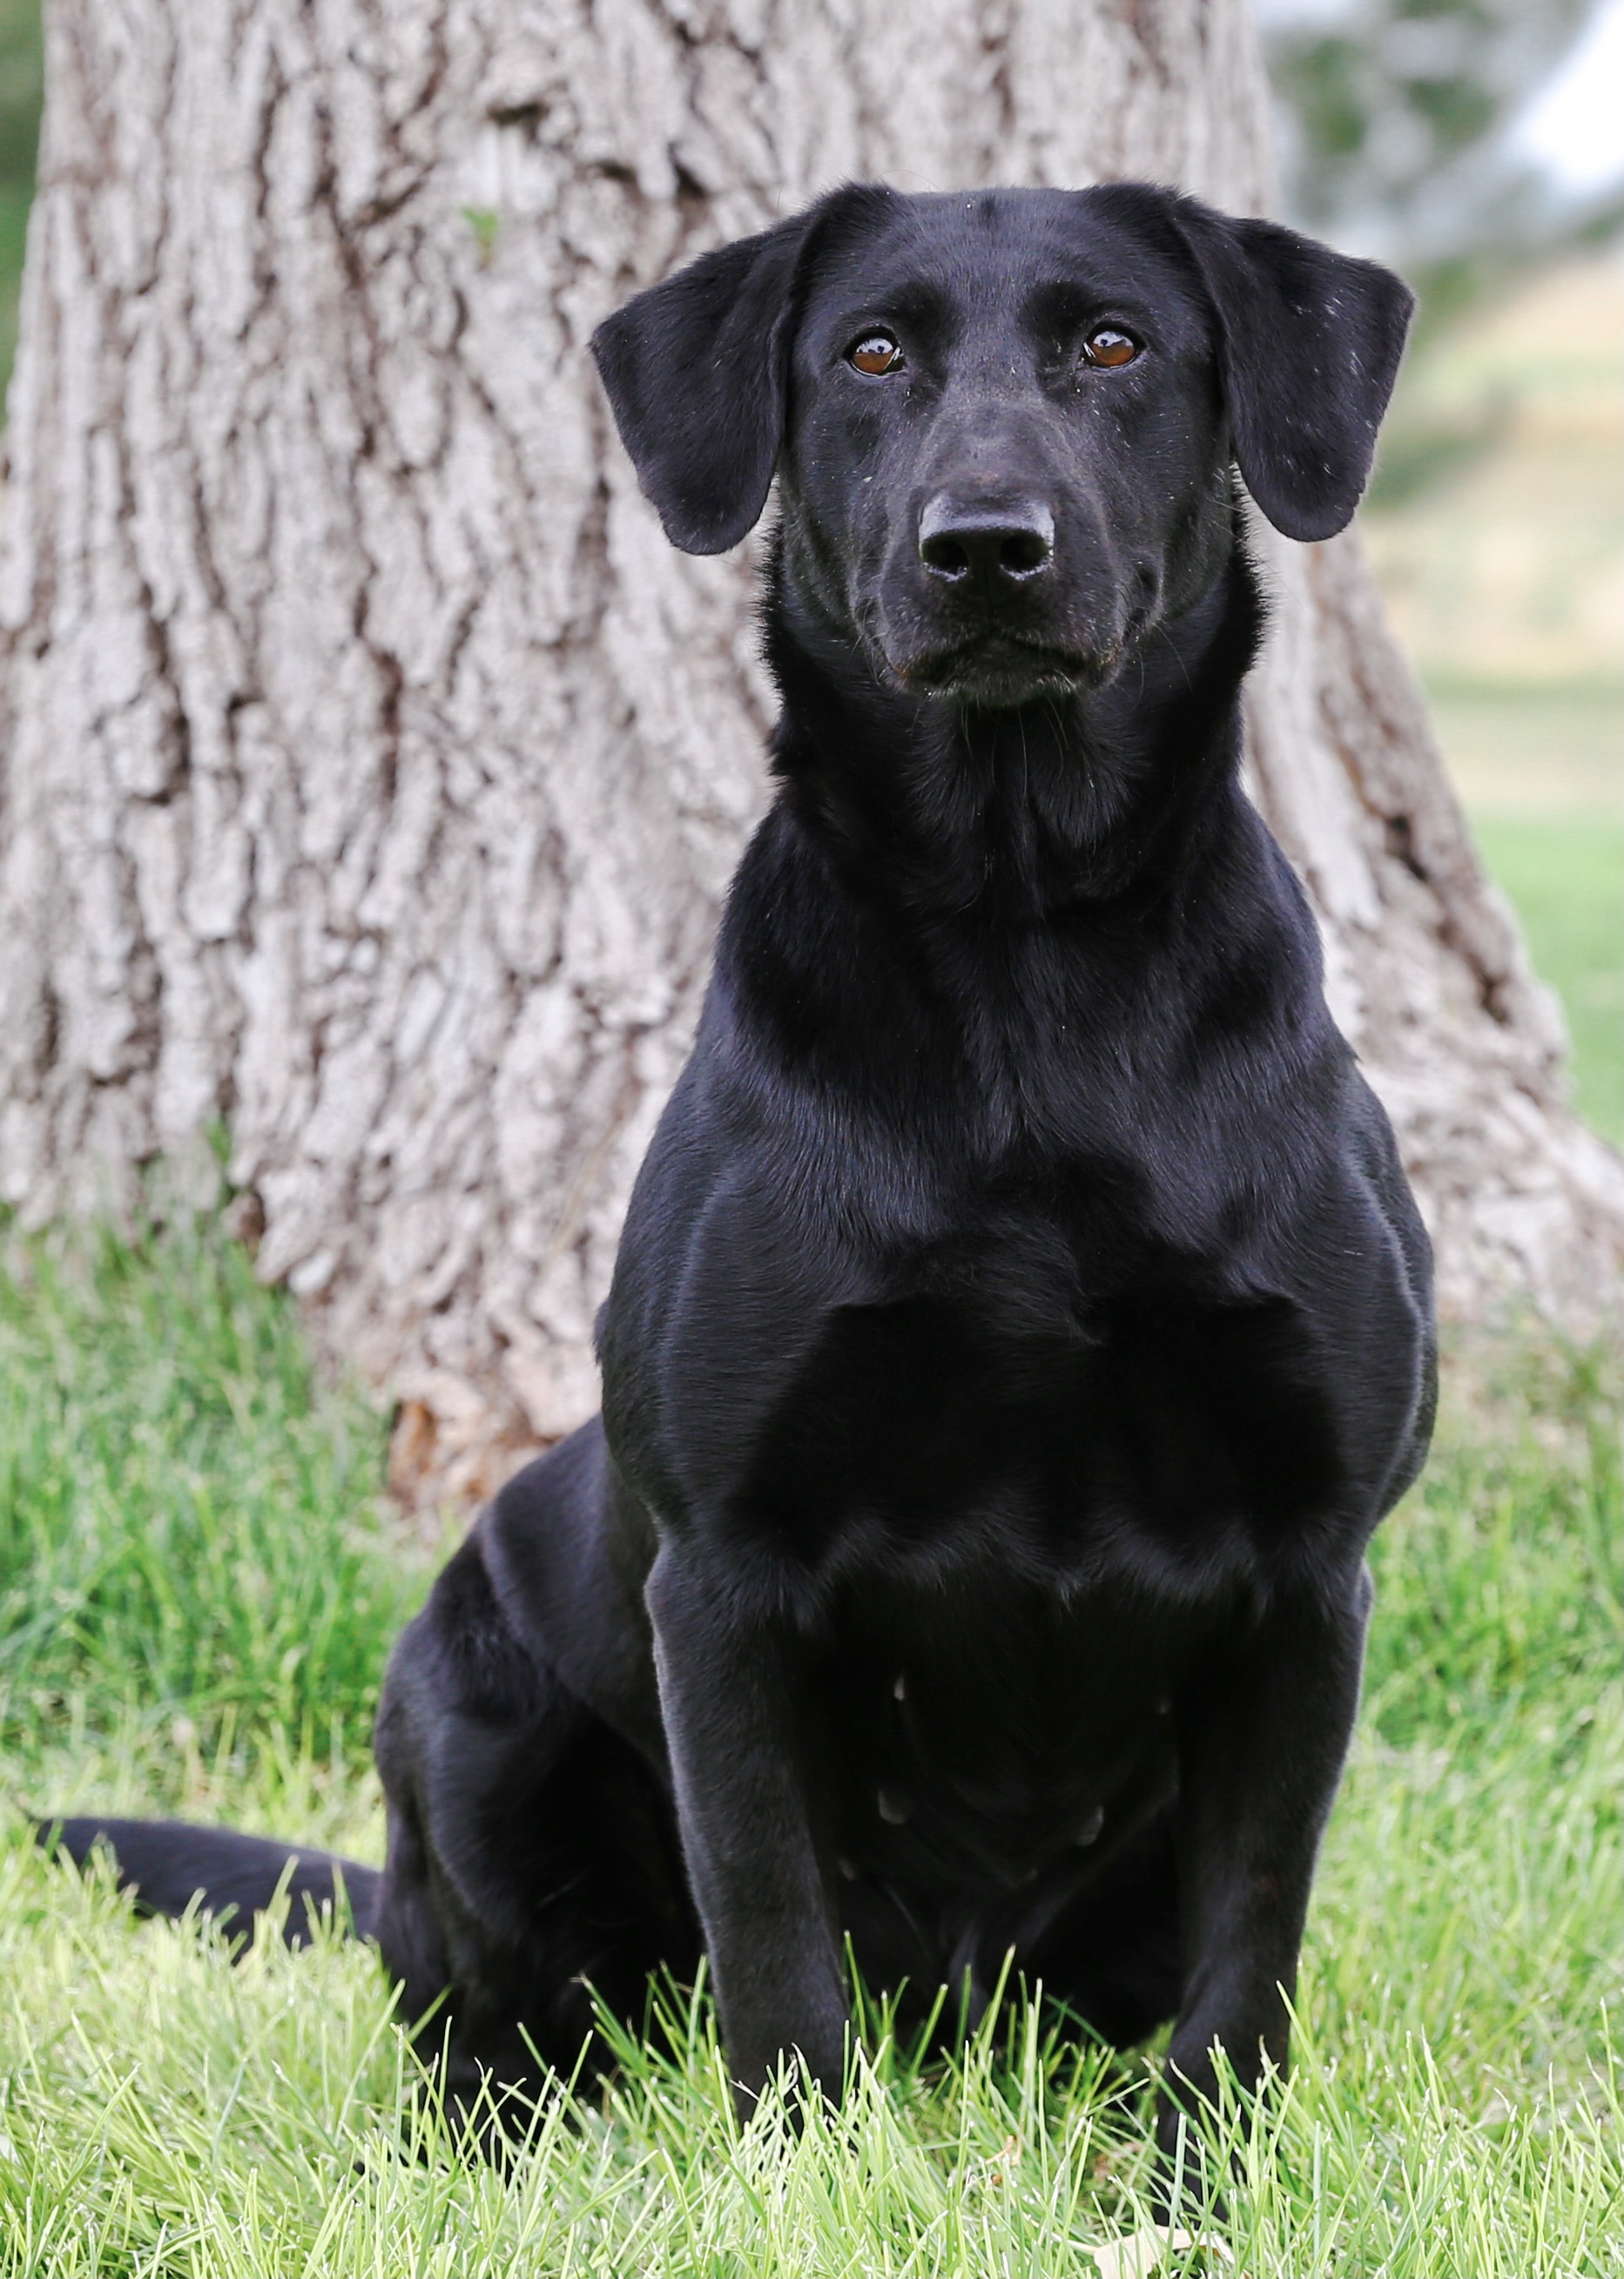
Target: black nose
<point>961,539</point>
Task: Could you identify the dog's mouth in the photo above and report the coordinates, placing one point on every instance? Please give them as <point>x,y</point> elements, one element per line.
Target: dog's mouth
<point>1002,668</point>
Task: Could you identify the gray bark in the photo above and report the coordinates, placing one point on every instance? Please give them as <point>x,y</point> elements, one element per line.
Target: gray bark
<point>372,768</point>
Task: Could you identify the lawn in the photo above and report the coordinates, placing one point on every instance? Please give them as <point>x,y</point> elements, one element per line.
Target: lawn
<point>1539,768</point>
<point>1566,880</point>
<point>197,1587</point>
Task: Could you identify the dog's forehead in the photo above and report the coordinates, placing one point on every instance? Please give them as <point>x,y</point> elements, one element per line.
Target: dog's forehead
<point>991,252</point>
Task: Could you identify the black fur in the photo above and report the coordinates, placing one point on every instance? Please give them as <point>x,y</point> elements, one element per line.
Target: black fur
<point>168,1863</point>
<point>1021,1321</point>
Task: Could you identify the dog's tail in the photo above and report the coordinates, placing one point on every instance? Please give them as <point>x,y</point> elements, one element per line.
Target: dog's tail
<point>168,1864</point>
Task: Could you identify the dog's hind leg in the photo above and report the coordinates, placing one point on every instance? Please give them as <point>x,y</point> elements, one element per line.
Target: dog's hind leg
<point>532,1853</point>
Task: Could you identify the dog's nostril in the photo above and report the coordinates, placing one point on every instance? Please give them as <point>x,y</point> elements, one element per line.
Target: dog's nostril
<point>1022,552</point>
<point>945,556</point>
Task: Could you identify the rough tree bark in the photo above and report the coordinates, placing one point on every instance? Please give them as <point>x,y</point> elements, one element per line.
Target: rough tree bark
<point>371,769</point>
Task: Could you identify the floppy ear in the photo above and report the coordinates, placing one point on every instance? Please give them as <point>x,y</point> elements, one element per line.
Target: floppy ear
<point>1310,343</point>
<point>695,370</point>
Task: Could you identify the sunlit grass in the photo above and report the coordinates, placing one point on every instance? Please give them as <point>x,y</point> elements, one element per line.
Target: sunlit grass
<point>1453,2107</point>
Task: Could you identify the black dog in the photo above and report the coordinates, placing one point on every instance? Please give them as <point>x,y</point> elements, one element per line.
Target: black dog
<point>1021,1321</point>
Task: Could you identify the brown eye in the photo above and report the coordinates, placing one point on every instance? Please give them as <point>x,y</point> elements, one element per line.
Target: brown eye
<point>1111,348</point>
<point>875,353</point>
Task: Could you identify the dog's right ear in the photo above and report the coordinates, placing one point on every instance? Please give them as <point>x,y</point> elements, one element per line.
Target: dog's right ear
<point>696,371</point>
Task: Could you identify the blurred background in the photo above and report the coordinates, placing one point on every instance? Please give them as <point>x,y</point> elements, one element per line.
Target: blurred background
<point>1478,145</point>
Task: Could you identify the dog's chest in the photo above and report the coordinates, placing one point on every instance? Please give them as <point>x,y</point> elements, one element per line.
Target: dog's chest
<point>991,1410</point>
<point>983,1734</point>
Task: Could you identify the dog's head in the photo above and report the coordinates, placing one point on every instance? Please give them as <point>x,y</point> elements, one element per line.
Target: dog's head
<point>1004,421</point>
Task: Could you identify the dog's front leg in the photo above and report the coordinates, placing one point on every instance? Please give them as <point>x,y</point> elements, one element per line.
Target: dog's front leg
<point>727,1699</point>
<point>1262,1740</point>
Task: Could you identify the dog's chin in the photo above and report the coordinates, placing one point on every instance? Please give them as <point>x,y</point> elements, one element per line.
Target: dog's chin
<point>999,672</point>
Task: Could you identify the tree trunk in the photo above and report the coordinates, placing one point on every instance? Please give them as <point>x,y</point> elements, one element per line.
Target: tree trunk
<point>373,767</point>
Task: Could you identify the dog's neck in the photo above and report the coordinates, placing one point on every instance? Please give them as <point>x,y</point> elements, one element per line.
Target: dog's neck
<point>1074,798</point>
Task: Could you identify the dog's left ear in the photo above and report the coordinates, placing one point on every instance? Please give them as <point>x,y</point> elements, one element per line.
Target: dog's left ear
<point>696,370</point>
<point>1311,340</point>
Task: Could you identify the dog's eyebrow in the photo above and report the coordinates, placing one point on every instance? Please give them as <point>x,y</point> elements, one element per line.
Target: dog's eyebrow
<point>920,303</point>
<point>1060,305</point>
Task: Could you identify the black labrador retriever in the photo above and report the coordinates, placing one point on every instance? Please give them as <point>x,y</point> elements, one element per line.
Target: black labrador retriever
<point>1021,1321</point>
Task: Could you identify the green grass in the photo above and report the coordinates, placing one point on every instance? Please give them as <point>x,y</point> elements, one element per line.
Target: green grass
<point>22,78</point>
<point>1541,768</point>
<point>196,1597</point>
<point>1566,881</point>
<point>197,1587</point>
